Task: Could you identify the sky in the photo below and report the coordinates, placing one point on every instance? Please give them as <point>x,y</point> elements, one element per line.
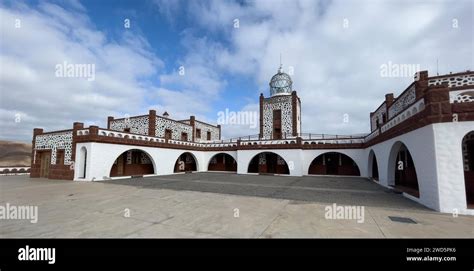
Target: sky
<point>203,58</point>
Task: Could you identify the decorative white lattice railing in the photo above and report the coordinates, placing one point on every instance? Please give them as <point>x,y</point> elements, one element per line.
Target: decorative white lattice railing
<point>109,133</point>
<point>461,96</point>
<point>402,102</point>
<point>14,170</point>
<point>372,135</point>
<point>82,132</point>
<point>453,80</point>
<point>117,134</point>
<point>335,141</point>
<point>266,142</point>
<point>404,115</point>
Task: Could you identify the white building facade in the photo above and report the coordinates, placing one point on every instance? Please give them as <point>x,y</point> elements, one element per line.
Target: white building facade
<point>421,143</point>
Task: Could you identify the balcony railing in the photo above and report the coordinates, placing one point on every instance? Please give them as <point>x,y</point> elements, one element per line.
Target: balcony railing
<point>404,115</point>
<point>304,138</point>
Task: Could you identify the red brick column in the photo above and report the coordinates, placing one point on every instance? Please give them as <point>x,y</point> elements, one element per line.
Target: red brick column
<point>438,108</point>
<point>35,167</point>
<point>388,102</point>
<point>299,141</point>
<point>94,132</point>
<point>109,120</point>
<point>294,112</point>
<point>192,122</point>
<point>152,123</point>
<point>421,85</point>
<point>370,118</point>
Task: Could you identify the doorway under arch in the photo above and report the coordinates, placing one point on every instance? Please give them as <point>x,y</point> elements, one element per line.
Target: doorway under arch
<point>82,165</point>
<point>268,163</point>
<point>222,162</point>
<point>402,171</point>
<point>186,162</point>
<point>468,164</point>
<point>373,166</point>
<point>132,163</point>
<point>334,163</point>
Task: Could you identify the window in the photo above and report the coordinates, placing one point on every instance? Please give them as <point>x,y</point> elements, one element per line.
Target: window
<point>208,135</point>
<point>60,157</point>
<point>126,130</point>
<point>184,137</point>
<point>168,134</point>
<point>198,133</point>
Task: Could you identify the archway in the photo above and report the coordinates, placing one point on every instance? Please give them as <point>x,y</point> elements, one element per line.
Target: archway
<point>268,163</point>
<point>468,163</point>
<point>132,163</point>
<point>402,171</point>
<point>82,163</point>
<point>186,162</point>
<point>334,163</point>
<point>373,166</point>
<point>222,162</point>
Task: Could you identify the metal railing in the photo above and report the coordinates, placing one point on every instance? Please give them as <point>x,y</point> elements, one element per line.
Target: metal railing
<point>302,138</point>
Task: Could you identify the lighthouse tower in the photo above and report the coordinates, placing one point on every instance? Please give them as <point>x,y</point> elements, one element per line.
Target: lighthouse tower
<point>280,114</point>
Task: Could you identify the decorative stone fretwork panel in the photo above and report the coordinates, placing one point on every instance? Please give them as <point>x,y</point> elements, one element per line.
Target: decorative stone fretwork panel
<point>54,142</point>
<point>176,128</point>
<point>453,81</point>
<point>378,115</point>
<point>274,103</point>
<point>137,125</point>
<point>204,129</point>
<point>461,96</point>
<point>404,115</point>
<point>402,102</point>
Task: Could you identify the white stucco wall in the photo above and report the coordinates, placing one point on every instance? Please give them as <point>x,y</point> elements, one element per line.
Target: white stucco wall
<point>358,155</point>
<point>101,156</point>
<point>452,189</point>
<point>420,144</point>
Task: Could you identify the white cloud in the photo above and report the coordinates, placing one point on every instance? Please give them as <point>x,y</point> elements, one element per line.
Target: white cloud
<point>337,69</point>
<point>51,35</point>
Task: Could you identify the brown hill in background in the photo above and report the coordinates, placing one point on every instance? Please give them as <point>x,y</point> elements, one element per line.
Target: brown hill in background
<point>14,153</point>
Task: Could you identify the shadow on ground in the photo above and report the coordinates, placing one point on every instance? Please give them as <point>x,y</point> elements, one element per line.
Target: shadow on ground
<point>318,189</point>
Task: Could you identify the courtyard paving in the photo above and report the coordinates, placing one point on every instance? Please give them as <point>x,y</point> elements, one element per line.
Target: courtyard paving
<point>218,205</point>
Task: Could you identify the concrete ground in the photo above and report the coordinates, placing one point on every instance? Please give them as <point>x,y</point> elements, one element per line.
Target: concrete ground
<point>216,205</point>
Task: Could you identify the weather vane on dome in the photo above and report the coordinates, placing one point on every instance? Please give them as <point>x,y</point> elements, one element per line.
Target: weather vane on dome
<point>281,66</point>
<point>281,83</point>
